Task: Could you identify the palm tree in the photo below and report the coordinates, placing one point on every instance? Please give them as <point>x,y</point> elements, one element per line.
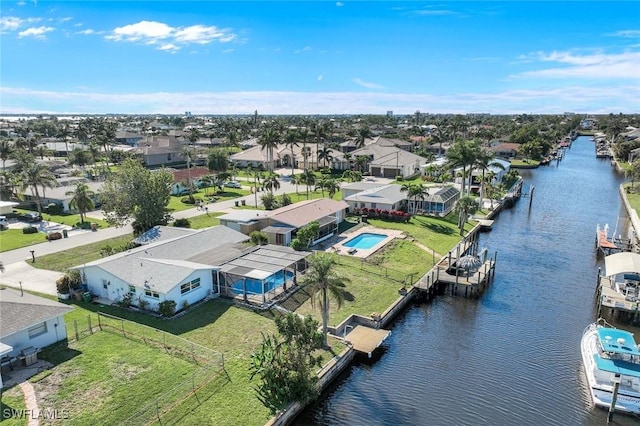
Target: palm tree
<point>82,200</point>
<point>323,281</point>
<point>321,184</point>
<point>332,186</point>
<point>364,132</point>
<point>414,192</point>
<point>63,135</point>
<point>462,154</point>
<point>6,149</point>
<point>256,172</point>
<point>309,179</point>
<point>485,161</point>
<point>82,131</point>
<point>325,155</point>
<point>217,160</point>
<point>35,175</point>
<point>304,136</point>
<point>361,162</point>
<point>291,140</point>
<point>187,153</point>
<point>271,183</point>
<point>268,140</point>
<point>465,206</point>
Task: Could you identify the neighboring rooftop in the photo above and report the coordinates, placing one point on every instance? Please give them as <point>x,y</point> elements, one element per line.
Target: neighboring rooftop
<point>19,310</point>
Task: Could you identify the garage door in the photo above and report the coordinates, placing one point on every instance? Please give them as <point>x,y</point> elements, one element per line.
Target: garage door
<point>390,173</point>
<point>375,171</point>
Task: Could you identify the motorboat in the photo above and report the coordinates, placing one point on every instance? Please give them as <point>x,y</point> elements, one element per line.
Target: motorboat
<point>611,361</point>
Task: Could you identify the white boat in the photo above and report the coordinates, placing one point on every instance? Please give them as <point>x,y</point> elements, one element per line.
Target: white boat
<point>611,355</point>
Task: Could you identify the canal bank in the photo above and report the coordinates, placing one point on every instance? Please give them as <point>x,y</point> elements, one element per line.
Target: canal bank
<point>511,356</point>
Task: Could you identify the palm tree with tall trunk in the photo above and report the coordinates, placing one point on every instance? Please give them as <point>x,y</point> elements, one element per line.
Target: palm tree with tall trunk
<point>6,149</point>
<point>63,136</point>
<point>291,140</point>
<point>414,192</point>
<point>82,200</point>
<point>268,141</point>
<point>271,183</point>
<point>309,179</point>
<point>323,282</point>
<point>364,132</point>
<point>34,175</point>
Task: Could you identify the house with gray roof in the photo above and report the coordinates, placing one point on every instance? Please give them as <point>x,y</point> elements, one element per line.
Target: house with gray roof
<point>29,323</point>
<point>182,269</point>
<point>385,197</point>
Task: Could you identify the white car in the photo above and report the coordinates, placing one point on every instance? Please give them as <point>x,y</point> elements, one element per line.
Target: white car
<point>233,184</point>
<point>4,222</point>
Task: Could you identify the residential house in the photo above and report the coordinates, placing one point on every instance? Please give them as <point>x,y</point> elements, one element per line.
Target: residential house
<point>181,178</point>
<point>505,150</point>
<point>29,323</point>
<point>124,137</point>
<point>62,194</point>
<point>159,151</point>
<point>280,225</point>
<point>182,269</point>
<point>385,197</point>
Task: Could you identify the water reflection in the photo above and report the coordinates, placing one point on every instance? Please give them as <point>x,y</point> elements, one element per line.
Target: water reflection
<point>512,356</point>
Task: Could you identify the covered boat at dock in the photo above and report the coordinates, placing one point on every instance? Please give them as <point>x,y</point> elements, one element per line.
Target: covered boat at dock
<point>611,360</point>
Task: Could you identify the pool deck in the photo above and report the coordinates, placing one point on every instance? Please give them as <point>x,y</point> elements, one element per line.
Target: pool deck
<point>339,240</point>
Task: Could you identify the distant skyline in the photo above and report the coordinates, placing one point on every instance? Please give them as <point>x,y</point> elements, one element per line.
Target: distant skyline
<point>325,57</point>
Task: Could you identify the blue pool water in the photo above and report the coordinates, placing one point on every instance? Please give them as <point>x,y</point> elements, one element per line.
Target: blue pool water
<point>365,240</point>
<point>254,286</point>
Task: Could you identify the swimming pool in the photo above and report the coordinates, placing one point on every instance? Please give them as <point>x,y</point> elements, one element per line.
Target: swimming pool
<point>254,286</point>
<point>365,241</point>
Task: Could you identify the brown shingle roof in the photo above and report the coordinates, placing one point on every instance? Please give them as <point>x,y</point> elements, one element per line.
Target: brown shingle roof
<point>304,212</point>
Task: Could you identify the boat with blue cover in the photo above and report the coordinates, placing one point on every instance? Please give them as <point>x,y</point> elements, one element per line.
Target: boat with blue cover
<point>611,356</point>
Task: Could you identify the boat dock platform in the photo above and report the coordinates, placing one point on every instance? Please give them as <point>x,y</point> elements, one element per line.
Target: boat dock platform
<point>616,303</point>
<point>610,245</point>
<point>460,273</point>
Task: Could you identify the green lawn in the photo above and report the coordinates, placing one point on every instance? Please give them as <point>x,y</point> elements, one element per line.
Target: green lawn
<point>67,219</point>
<point>633,197</point>
<point>11,239</point>
<point>373,285</point>
<point>205,221</point>
<point>525,163</point>
<point>62,261</point>
<point>218,325</point>
<point>107,377</point>
<point>12,399</point>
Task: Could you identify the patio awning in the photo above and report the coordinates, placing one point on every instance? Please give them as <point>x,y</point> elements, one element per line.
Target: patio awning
<point>621,263</point>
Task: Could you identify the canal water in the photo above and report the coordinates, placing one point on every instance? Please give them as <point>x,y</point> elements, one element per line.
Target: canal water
<point>511,357</point>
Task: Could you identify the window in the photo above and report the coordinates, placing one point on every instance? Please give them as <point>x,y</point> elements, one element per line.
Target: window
<point>104,283</point>
<point>187,287</point>
<point>153,294</point>
<point>132,289</point>
<point>373,205</point>
<point>37,330</point>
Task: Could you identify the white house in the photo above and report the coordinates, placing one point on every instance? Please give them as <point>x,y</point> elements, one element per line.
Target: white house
<point>29,323</point>
<point>181,269</point>
<point>386,197</point>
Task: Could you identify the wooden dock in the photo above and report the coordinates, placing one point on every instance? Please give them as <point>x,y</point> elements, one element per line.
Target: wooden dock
<point>447,278</point>
<point>614,303</point>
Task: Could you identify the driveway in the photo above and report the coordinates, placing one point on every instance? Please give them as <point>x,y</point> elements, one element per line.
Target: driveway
<point>32,279</point>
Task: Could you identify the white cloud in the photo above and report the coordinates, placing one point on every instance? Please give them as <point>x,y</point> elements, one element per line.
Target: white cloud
<point>366,84</point>
<point>626,33</point>
<point>581,99</point>
<point>152,32</point>
<point>320,77</point>
<point>597,66</point>
<point>143,30</point>
<point>339,4</point>
<point>88,31</point>
<point>13,23</point>
<point>304,49</point>
<point>433,12</point>
<point>37,32</point>
<point>21,3</point>
<point>169,47</point>
<point>228,50</point>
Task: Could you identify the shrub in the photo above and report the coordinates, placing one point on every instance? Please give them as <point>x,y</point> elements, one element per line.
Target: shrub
<point>185,305</point>
<point>126,300</point>
<point>269,201</point>
<point>182,223</point>
<point>285,200</point>
<point>258,238</point>
<point>143,304</point>
<point>167,308</point>
<point>54,209</point>
<point>29,230</point>
<point>70,280</point>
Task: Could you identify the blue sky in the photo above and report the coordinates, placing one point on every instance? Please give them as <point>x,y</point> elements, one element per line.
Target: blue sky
<point>326,57</point>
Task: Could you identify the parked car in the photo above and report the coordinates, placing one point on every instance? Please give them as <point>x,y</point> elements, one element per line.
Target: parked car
<point>4,223</point>
<point>233,184</point>
<point>31,217</point>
